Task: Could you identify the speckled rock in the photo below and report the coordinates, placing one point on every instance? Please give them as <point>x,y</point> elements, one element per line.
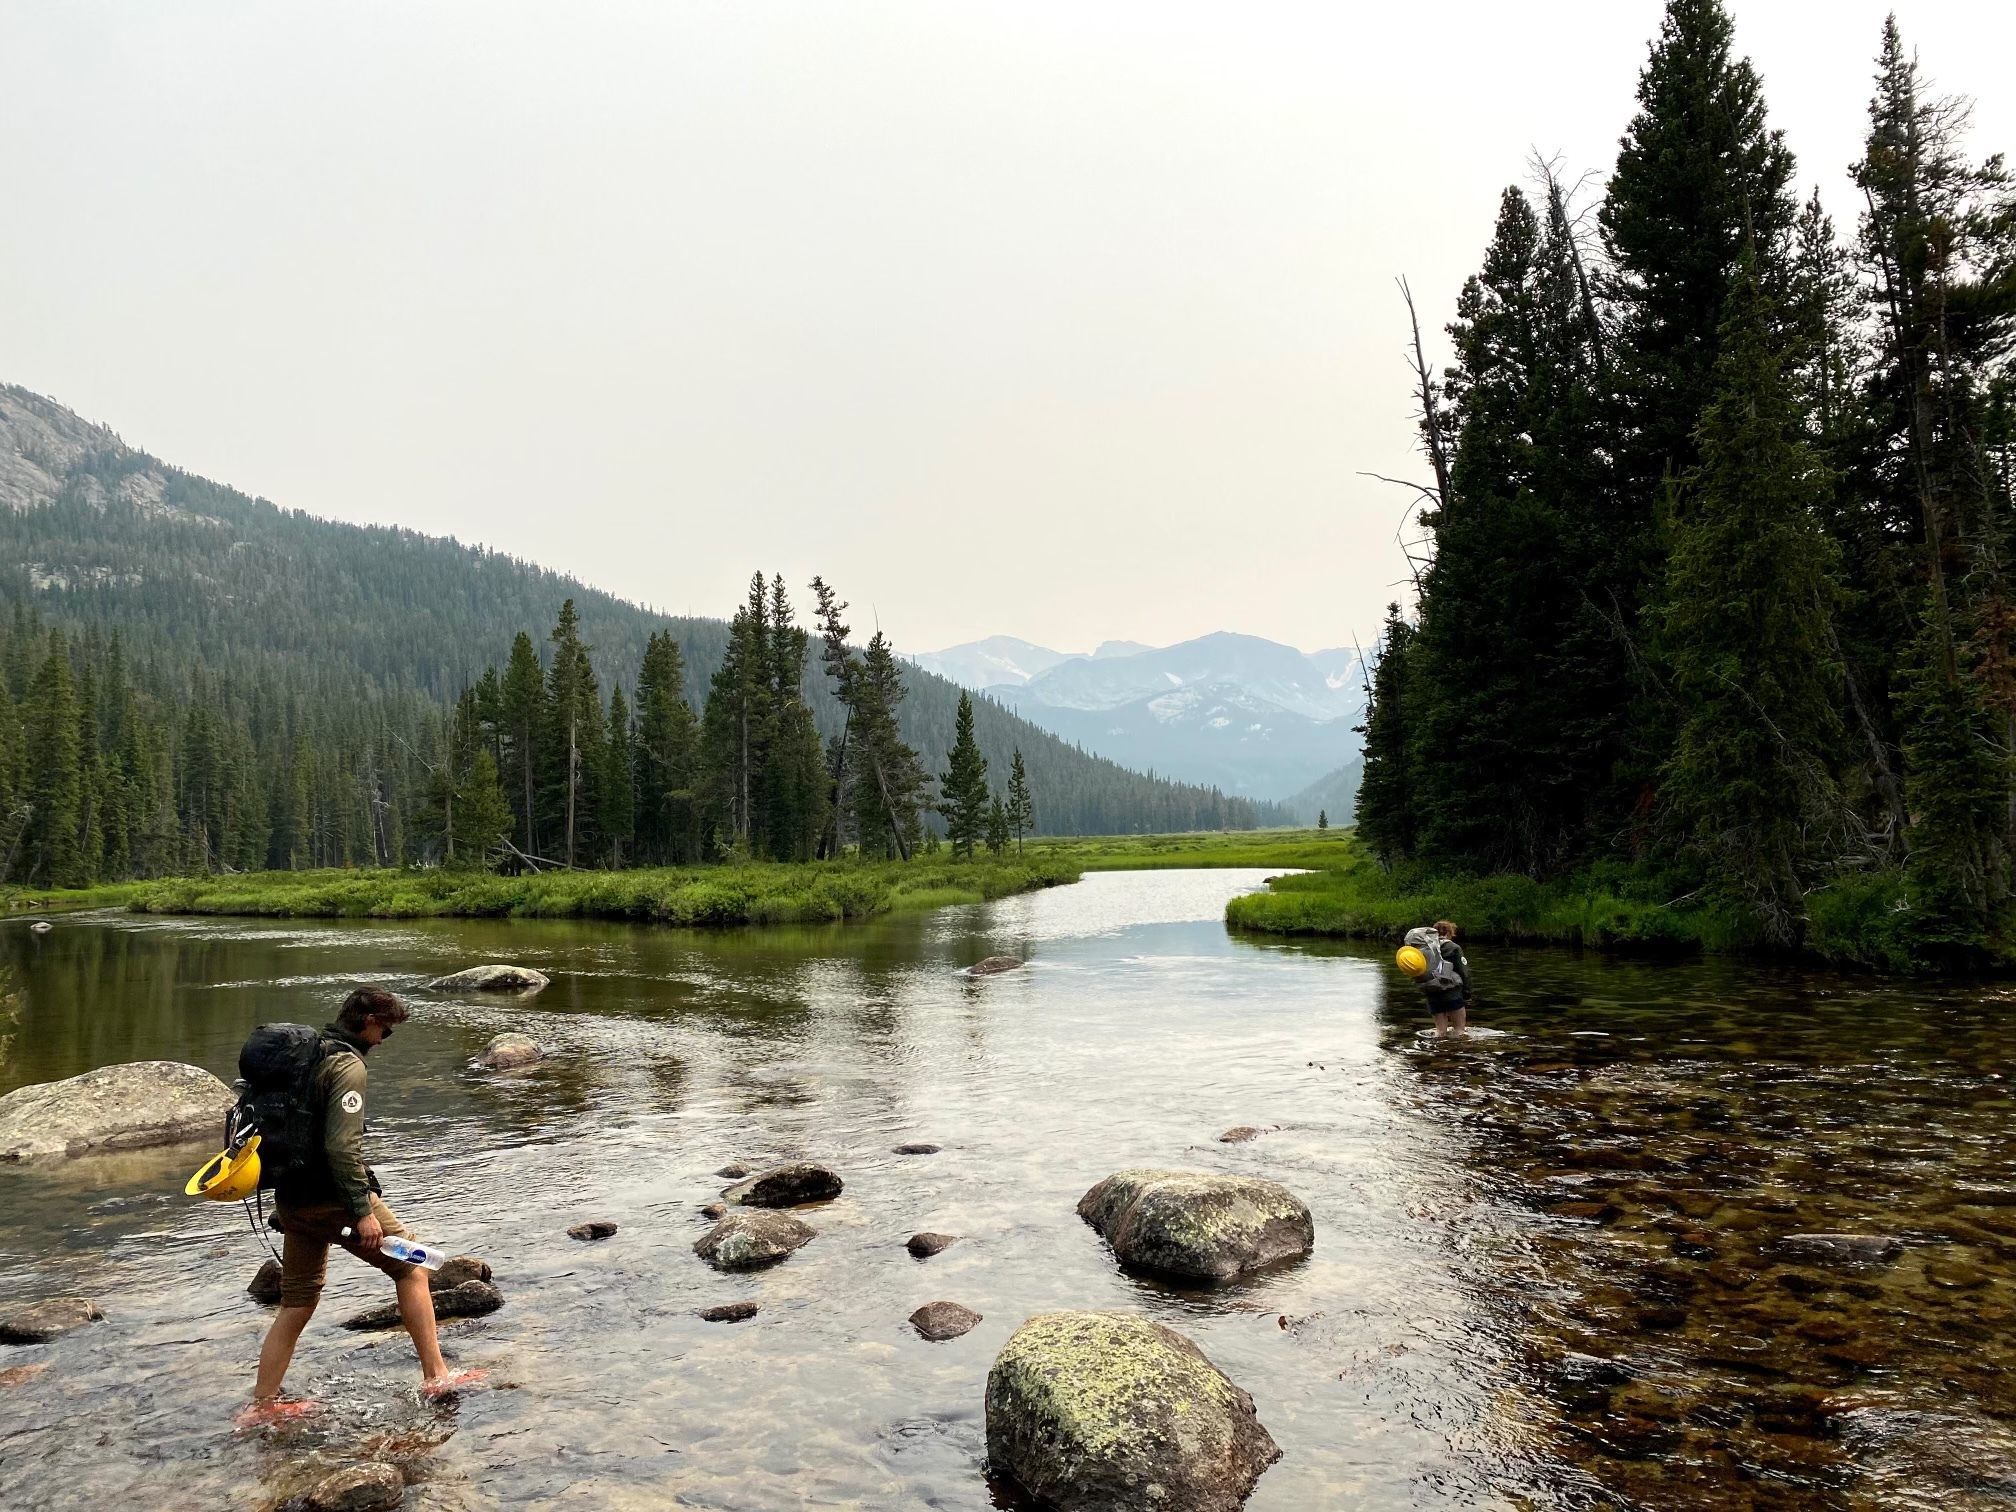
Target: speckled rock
<point>784,1186</point>
<point>751,1240</point>
<point>508,1051</point>
<point>265,1283</point>
<point>492,978</point>
<point>993,966</point>
<point>1103,1412</point>
<point>1240,1134</point>
<point>126,1107</point>
<point>925,1245</point>
<point>1197,1226</point>
<point>728,1312</point>
<point>356,1488</point>
<point>39,1322</point>
<point>939,1321</point>
<point>467,1299</point>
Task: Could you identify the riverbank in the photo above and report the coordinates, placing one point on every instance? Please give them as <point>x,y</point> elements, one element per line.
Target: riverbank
<point>1860,922</point>
<point>1309,848</point>
<point>759,893</point>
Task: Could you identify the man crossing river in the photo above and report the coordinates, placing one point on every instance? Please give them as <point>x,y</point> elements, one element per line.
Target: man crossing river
<point>330,1196</point>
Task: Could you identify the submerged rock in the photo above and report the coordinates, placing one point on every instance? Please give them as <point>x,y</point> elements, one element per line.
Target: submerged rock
<point>465,1299</point>
<point>1195,1225</point>
<point>493,978</point>
<point>939,1321</point>
<point>39,1322</point>
<point>917,1149</point>
<point>456,1270</point>
<point>1240,1134</point>
<point>993,966</point>
<point>733,1171</point>
<point>510,1050</point>
<point>749,1241</point>
<point>925,1245</point>
<point>356,1488</point>
<point>21,1375</point>
<point>126,1107</point>
<point>1102,1412</point>
<point>785,1186</point>
<point>599,1228</point>
<point>714,1210</point>
<point>1852,1249</point>
<point>265,1283</point>
<point>728,1312</point>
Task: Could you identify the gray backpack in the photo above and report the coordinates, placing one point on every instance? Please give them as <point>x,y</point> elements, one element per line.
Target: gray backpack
<point>1441,975</point>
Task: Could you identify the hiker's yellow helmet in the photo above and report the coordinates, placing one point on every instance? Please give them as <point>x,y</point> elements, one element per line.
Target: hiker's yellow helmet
<point>1411,960</point>
<point>230,1177</point>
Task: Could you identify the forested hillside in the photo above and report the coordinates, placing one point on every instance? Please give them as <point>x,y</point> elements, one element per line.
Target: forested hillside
<point>1718,580</point>
<point>196,678</point>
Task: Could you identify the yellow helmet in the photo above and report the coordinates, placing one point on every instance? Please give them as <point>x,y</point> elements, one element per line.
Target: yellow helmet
<point>1411,960</point>
<point>230,1177</point>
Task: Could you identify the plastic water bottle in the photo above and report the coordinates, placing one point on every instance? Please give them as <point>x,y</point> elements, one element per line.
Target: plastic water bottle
<point>422,1255</point>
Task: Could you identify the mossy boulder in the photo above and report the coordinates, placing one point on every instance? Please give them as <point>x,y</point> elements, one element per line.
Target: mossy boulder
<point>1196,1226</point>
<point>1101,1410</point>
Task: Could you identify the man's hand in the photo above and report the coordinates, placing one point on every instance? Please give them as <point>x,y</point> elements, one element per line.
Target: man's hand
<point>370,1233</point>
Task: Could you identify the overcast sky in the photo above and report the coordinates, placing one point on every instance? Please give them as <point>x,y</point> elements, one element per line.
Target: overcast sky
<point>1069,321</point>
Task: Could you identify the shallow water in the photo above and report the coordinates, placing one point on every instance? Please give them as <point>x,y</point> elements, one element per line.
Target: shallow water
<point>1547,1268</point>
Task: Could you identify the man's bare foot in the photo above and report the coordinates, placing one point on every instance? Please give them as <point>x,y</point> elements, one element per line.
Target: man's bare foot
<point>443,1387</point>
<point>273,1410</point>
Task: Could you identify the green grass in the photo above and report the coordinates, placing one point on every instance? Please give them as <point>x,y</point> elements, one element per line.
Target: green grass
<point>22,902</point>
<point>1202,848</point>
<point>816,892</point>
<point>1860,921</point>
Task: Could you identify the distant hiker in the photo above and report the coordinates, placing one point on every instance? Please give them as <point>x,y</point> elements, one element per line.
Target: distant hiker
<point>1432,957</point>
<point>313,1110</point>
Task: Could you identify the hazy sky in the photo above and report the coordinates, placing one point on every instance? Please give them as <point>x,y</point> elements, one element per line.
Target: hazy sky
<point>1069,321</point>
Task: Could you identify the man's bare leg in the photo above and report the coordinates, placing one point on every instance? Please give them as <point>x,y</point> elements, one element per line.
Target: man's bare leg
<point>277,1352</point>
<point>416,1311</point>
<point>1462,1018</point>
<point>1441,1026</point>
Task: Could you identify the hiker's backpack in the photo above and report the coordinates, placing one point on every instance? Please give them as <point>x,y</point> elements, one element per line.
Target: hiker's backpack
<point>1441,975</point>
<point>276,1098</point>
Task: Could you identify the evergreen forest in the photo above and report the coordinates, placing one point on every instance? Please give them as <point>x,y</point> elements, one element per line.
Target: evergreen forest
<point>193,681</point>
<point>1715,588</point>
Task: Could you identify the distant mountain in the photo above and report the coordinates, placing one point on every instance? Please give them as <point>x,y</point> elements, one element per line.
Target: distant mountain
<point>1239,712</point>
<point>998,661</point>
<point>380,626</point>
<point>1335,794</point>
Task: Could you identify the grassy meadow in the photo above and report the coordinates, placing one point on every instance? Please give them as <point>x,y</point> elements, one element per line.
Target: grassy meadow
<point>758,893</point>
<point>1203,848</point>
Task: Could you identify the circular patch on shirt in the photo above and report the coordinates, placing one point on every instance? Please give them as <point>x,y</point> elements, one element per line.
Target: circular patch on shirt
<point>353,1102</point>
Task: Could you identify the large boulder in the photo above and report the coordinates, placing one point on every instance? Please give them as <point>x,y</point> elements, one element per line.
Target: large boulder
<point>494,978</point>
<point>39,1322</point>
<point>128,1107</point>
<point>749,1241</point>
<point>509,1051</point>
<point>785,1186</point>
<point>1197,1226</point>
<point>465,1299</point>
<point>1103,1412</point>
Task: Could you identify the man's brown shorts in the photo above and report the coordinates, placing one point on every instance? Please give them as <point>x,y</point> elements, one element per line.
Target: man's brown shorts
<point>309,1231</point>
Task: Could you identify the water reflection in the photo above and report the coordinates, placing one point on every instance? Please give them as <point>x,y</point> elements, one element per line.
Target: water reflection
<point>1547,1269</point>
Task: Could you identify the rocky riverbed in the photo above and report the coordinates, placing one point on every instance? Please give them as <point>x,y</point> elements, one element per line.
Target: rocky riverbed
<point>1666,1236</point>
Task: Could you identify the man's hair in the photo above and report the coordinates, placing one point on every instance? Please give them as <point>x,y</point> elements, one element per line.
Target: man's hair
<point>1445,928</point>
<point>367,1004</point>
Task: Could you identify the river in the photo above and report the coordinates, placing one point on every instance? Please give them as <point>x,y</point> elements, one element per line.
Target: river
<point>1549,1267</point>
